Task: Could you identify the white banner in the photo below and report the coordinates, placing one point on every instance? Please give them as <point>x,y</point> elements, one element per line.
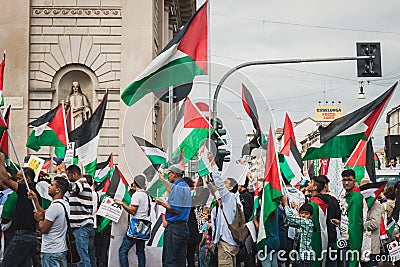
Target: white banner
<point>110,210</point>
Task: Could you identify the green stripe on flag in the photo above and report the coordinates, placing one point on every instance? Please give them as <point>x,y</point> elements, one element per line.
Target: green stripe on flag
<point>176,72</point>
<point>91,168</point>
<point>338,147</point>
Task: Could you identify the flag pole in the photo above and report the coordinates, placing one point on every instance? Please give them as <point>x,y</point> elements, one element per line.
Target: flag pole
<point>170,126</point>
<point>209,73</point>
<point>19,163</point>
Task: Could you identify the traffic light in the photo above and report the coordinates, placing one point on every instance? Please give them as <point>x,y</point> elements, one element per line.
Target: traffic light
<point>370,67</point>
<point>221,154</point>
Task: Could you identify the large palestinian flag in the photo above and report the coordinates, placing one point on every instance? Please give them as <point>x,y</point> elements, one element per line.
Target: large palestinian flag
<point>49,130</point>
<point>184,57</point>
<point>362,161</point>
<point>272,190</point>
<point>342,135</point>
<point>319,238</point>
<point>290,161</point>
<point>2,67</point>
<point>86,137</point>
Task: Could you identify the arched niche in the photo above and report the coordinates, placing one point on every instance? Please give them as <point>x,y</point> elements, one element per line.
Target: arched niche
<point>62,82</point>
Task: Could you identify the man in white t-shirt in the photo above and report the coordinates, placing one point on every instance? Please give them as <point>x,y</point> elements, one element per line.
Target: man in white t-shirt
<point>52,223</point>
<point>139,209</point>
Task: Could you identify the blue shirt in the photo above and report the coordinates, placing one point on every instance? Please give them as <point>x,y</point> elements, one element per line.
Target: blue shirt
<point>180,200</point>
<point>4,195</point>
<point>228,202</point>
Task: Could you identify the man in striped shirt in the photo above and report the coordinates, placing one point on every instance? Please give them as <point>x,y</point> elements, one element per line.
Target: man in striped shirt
<point>81,218</point>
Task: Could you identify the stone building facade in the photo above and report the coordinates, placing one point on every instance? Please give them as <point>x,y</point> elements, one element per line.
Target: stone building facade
<point>103,44</point>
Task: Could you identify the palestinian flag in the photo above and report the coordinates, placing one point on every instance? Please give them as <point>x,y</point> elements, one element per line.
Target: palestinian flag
<point>157,157</point>
<point>118,187</point>
<point>190,132</point>
<point>342,135</point>
<point>184,57</point>
<point>104,170</point>
<point>362,161</point>
<point>49,130</point>
<point>155,154</point>
<point>157,232</point>
<point>204,167</point>
<point>371,192</point>
<point>251,110</point>
<point>290,161</point>
<point>272,190</point>
<point>4,134</point>
<point>256,204</point>
<point>355,213</point>
<point>86,137</point>
<point>42,188</point>
<point>2,67</point>
<point>319,238</point>
<point>101,190</point>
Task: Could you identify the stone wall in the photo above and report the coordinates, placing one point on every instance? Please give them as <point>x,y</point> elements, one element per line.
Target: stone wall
<point>82,35</point>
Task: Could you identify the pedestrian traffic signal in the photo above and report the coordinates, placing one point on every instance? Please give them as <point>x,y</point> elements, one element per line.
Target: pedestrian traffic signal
<point>370,67</point>
<point>221,154</point>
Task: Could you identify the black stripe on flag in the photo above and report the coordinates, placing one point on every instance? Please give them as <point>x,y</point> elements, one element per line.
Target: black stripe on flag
<point>115,179</point>
<point>296,154</point>
<point>90,128</point>
<point>157,225</point>
<point>47,117</point>
<point>142,142</point>
<point>341,124</point>
<point>370,161</point>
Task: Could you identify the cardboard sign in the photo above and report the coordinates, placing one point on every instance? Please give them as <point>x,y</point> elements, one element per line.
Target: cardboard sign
<point>110,210</point>
<point>36,164</point>
<point>394,250</point>
<point>69,154</point>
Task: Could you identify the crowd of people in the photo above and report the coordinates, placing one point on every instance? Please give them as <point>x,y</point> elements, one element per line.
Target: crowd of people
<point>311,227</point>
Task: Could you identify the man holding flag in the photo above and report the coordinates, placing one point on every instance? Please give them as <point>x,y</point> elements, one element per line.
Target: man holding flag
<point>222,215</point>
<point>352,218</point>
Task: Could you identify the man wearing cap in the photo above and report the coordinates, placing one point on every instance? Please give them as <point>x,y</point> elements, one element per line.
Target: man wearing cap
<point>176,233</point>
<point>139,209</point>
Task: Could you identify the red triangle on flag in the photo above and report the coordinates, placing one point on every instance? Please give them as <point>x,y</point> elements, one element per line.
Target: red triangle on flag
<point>271,164</point>
<point>288,134</point>
<point>58,125</point>
<point>193,117</point>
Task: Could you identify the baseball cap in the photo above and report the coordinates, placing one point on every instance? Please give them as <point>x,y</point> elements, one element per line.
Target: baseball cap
<point>176,168</point>
<point>140,181</point>
<point>58,161</point>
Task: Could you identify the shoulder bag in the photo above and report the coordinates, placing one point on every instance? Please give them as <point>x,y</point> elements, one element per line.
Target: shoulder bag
<point>140,228</point>
<point>72,253</point>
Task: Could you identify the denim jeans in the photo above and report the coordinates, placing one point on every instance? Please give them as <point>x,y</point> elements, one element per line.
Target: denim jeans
<point>21,249</point>
<point>127,244</point>
<point>176,236</point>
<point>54,259</point>
<point>202,257</point>
<point>83,235</point>
<point>269,260</point>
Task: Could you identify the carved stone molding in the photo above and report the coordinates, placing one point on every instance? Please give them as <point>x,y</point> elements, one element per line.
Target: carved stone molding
<point>44,12</point>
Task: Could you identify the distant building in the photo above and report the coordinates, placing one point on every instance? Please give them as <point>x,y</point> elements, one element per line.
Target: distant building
<point>393,121</point>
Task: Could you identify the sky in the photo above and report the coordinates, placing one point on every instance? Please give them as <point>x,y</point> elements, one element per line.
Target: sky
<point>242,31</point>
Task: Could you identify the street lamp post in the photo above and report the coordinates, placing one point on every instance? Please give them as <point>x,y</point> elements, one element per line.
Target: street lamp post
<point>273,62</point>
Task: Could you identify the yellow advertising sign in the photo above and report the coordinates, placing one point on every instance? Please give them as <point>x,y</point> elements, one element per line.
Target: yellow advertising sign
<point>328,113</point>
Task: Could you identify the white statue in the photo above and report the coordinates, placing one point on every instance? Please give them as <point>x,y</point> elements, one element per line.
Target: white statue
<point>79,104</point>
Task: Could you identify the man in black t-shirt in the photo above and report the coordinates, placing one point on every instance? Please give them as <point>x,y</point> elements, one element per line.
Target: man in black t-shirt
<point>22,246</point>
